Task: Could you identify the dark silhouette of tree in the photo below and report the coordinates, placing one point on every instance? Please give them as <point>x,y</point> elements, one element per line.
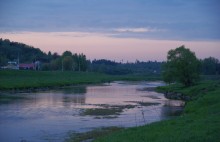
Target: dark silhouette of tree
<point>181,66</point>
<point>11,51</point>
<point>67,63</point>
<point>82,63</point>
<point>210,66</point>
<point>55,56</point>
<point>56,64</point>
<point>67,53</point>
<point>118,68</point>
<point>49,56</point>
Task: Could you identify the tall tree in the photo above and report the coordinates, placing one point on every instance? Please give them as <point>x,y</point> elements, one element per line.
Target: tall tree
<point>68,63</point>
<point>210,66</point>
<point>181,66</point>
<point>67,53</point>
<point>82,63</point>
<point>56,64</point>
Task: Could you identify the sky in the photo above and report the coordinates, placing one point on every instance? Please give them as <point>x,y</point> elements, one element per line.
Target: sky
<point>121,30</point>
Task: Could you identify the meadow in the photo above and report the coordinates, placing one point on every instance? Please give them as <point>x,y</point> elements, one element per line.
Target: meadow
<point>23,79</point>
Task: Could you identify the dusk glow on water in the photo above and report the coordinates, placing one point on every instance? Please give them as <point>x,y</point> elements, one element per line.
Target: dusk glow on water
<point>51,115</point>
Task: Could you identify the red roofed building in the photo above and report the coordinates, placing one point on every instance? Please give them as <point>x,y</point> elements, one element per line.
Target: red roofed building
<point>27,66</point>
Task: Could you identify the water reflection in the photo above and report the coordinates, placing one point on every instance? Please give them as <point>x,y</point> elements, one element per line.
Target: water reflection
<point>50,115</point>
<point>175,103</point>
<point>71,90</point>
<point>171,111</point>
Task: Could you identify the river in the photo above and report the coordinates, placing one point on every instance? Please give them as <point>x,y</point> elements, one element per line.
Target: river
<point>53,114</point>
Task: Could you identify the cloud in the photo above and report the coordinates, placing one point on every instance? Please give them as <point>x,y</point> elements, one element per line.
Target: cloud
<point>174,19</point>
<point>138,30</point>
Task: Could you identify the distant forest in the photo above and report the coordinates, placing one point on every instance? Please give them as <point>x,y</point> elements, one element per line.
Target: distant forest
<point>12,51</point>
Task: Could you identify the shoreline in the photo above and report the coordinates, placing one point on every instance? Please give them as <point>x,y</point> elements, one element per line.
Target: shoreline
<point>199,118</point>
<point>176,96</point>
<point>37,89</point>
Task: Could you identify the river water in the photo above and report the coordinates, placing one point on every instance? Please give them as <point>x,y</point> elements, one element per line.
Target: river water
<point>52,115</point>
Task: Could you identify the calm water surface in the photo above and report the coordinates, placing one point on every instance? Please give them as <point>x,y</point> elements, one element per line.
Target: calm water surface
<point>52,115</point>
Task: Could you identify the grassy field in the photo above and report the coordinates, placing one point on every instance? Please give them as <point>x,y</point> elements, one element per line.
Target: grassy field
<point>10,79</point>
<point>200,121</point>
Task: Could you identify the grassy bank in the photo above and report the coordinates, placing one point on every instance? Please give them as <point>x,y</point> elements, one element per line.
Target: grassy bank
<point>10,79</point>
<point>200,121</point>
<point>194,92</point>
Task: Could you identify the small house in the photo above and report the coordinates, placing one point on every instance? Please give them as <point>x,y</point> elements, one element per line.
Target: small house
<point>11,65</point>
<point>27,66</point>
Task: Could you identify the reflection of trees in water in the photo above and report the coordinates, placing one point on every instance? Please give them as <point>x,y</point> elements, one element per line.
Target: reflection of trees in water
<point>74,90</point>
<point>76,99</point>
<point>172,108</point>
<point>167,111</point>
<point>74,95</point>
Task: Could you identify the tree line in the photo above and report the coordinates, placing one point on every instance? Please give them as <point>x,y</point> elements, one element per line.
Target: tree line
<point>68,61</point>
<point>65,62</point>
<point>19,52</point>
<point>12,51</point>
<point>119,68</point>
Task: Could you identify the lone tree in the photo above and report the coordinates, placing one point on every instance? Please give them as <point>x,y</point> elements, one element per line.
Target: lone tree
<point>181,66</point>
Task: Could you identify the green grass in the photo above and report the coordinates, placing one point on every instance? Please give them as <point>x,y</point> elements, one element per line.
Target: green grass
<point>11,79</point>
<point>79,137</point>
<point>200,121</point>
<point>210,77</point>
<point>194,91</point>
<point>33,79</point>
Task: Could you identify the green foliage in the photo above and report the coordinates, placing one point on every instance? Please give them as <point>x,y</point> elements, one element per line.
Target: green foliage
<point>11,51</point>
<point>116,68</point>
<point>200,121</point>
<point>67,53</point>
<point>3,60</point>
<point>210,66</point>
<point>55,64</point>
<point>81,63</point>
<point>168,74</point>
<point>68,63</point>
<point>182,66</point>
<point>210,77</point>
<point>193,92</point>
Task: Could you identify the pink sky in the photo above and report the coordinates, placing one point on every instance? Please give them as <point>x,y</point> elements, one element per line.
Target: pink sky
<point>101,46</point>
